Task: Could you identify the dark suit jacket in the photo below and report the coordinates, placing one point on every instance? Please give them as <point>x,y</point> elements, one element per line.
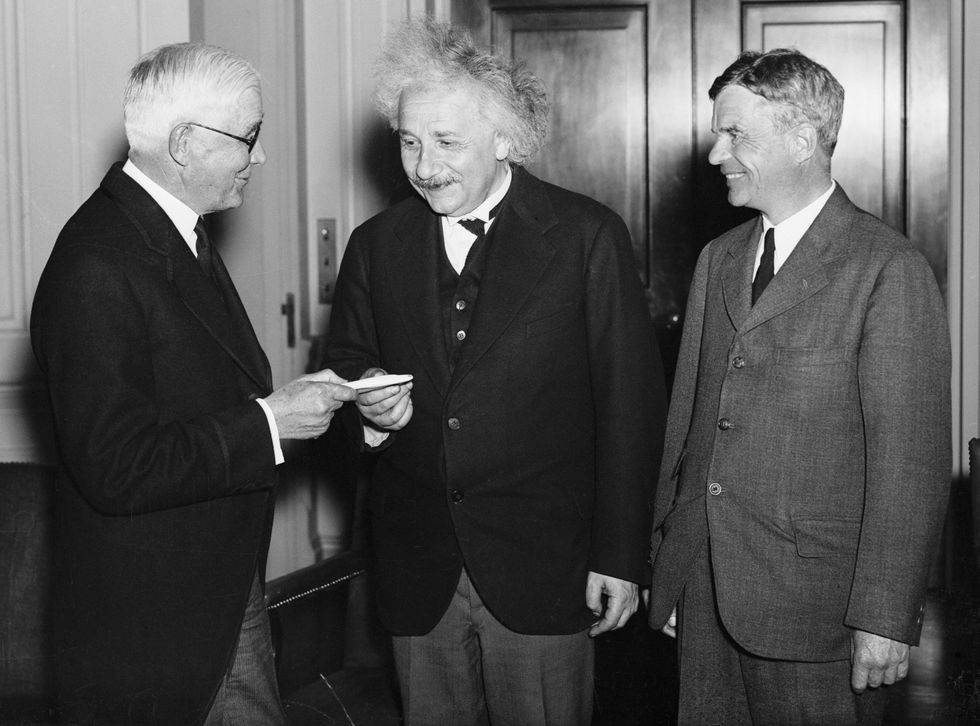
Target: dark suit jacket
<point>823,414</point>
<point>164,501</point>
<point>532,462</point>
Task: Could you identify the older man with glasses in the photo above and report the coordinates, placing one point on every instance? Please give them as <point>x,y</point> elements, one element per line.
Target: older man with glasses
<point>167,423</point>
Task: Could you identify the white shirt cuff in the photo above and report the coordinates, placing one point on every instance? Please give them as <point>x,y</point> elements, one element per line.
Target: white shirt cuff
<point>373,437</point>
<point>274,430</point>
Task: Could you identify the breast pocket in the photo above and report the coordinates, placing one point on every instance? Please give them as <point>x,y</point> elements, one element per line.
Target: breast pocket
<point>809,357</point>
<point>548,323</point>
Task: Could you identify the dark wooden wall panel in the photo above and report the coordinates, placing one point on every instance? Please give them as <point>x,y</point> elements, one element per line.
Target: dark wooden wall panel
<point>862,45</point>
<point>593,62</point>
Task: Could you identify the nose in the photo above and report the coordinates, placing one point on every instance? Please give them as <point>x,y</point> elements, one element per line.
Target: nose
<point>719,151</point>
<point>258,153</point>
<point>426,166</point>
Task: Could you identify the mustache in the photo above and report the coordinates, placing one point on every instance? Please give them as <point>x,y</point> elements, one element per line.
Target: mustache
<point>434,183</point>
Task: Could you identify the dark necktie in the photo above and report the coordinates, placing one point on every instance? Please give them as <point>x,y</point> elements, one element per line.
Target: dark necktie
<point>475,226</point>
<point>479,228</point>
<point>204,248</point>
<point>766,265</point>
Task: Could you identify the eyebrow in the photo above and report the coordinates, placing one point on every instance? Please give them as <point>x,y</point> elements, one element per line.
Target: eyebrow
<point>727,129</point>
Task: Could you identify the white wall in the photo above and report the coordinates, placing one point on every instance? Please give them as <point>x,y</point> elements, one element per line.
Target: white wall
<point>63,64</point>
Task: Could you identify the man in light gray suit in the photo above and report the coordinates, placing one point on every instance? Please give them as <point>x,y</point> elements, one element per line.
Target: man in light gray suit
<point>806,470</point>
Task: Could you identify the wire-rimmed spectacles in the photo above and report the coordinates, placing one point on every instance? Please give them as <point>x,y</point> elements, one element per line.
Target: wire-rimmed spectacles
<point>250,142</point>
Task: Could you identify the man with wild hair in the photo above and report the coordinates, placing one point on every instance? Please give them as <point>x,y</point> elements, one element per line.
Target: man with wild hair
<point>511,486</point>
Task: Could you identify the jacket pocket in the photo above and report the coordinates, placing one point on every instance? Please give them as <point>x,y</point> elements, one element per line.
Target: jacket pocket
<point>550,322</point>
<point>826,537</point>
<point>806,357</point>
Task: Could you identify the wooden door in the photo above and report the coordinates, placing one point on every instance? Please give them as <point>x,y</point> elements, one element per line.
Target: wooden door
<point>892,60</point>
<point>597,89</point>
<point>631,118</point>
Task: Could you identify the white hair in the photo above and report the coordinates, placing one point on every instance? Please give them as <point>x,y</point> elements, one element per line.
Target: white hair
<point>177,83</point>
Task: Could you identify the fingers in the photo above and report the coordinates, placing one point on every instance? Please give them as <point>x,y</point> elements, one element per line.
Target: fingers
<point>670,628</point>
<point>338,394</point>
<point>877,661</point>
<point>387,408</point>
<point>324,376</point>
<point>593,595</point>
<point>622,600</point>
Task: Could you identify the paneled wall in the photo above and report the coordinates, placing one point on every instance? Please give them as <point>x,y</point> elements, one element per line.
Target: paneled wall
<point>62,68</point>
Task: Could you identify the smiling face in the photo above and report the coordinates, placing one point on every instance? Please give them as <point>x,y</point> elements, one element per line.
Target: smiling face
<point>761,164</point>
<point>451,154</point>
<point>219,167</point>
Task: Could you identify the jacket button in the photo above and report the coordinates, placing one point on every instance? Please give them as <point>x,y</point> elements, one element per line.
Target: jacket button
<point>461,305</point>
<point>454,424</point>
<point>724,424</point>
<point>738,362</point>
<point>461,335</point>
<point>457,496</point>
<point>714,488</point>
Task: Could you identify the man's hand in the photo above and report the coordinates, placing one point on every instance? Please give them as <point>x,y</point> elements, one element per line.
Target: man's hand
<point>389,408</point>
<point>876,660</point>
<point>670,627</point>
<point>303,407</point>
<point>622,600</point>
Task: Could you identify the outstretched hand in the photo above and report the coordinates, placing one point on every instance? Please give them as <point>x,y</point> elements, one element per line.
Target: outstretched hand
<point>304,407</point>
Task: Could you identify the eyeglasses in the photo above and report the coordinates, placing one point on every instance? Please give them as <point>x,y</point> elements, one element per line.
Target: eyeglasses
<point>250,143</point>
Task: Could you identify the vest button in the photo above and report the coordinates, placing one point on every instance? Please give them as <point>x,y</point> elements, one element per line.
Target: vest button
<point>460,335</point>
<point>714,488</point>
<point>457,496</point>
<point>454,424</point>
<point>724,424</point>
<point>461,305</point>
<point>738,362</point>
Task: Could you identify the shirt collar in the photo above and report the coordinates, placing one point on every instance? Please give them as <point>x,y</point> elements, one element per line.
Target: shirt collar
<point>183,217</point>
<point>483,211</point>
<point>792,229</point>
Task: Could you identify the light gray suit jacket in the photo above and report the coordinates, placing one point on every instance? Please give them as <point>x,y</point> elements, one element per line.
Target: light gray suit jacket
<point>809,439</point>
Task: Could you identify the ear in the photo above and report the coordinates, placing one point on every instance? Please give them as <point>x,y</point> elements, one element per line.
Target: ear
<point>805,142</point>
<point>502,147</point>
<point>179,143</point>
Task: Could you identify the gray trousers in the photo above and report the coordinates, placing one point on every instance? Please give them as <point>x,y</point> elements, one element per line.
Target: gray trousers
<point>722,683</point>
<point>249,695</point>
<point>471,670</point>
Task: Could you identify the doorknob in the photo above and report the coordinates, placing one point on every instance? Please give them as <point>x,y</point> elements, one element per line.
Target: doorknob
<point>288,309</point>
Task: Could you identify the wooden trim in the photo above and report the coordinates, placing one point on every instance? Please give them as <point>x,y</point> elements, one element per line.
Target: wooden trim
<point>964,227</point>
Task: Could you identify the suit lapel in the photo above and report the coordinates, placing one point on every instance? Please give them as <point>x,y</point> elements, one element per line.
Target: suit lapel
<point>244,344</point>
<point>233,332</point>
<point>519,255</point>
<point>804,273</point>
<point>413,278</point>
<point>736,276</point>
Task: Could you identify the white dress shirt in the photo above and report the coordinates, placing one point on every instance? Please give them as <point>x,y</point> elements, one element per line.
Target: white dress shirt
<point>457,238</point>
<point>790,231</point>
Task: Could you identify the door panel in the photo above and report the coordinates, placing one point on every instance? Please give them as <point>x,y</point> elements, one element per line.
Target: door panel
<point>861,44</point>
<point>593,63</point>
<point>892,153</point>
<point>893,140</point>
